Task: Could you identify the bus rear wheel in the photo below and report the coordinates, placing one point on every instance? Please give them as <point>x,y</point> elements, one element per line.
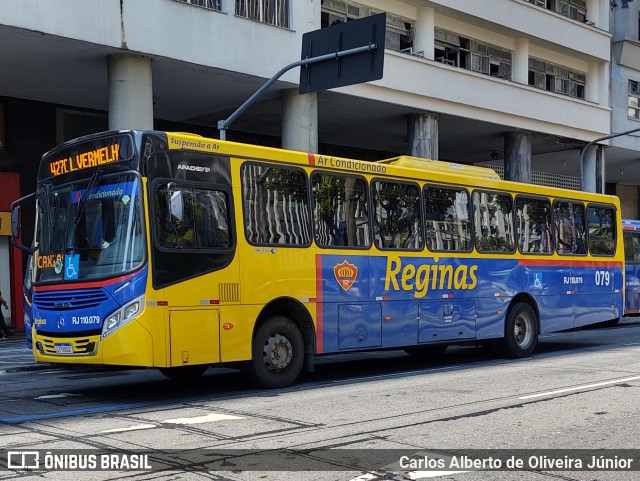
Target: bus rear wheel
<point>520,331</point>
<point>277,354</point>
<point>184,373</point>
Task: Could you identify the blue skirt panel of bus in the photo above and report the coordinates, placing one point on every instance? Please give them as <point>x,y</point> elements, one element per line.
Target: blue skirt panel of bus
<point>84,309</point>
<point>391,301</point>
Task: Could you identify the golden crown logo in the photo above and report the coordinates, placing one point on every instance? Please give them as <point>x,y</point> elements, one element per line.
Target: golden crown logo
<point>345,274</point>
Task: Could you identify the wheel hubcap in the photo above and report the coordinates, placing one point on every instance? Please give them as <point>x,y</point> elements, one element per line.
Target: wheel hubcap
<point>277,353</point>
<point>522,330</point>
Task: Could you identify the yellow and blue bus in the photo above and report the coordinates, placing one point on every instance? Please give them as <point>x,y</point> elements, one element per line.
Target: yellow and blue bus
<point>175,251</point>
<point>631,233</point>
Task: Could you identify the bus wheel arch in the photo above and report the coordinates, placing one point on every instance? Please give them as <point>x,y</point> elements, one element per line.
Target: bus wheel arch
<point>283,340</point>
<point>521,328</point>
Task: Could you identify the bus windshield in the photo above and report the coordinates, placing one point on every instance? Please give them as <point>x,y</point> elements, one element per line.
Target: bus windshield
<point>89,229</point>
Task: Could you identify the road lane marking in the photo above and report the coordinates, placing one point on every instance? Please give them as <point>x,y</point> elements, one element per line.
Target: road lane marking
<point>212,417</point>
<point>579,388</point>
<point>130,428</point>
<point>55,396</point>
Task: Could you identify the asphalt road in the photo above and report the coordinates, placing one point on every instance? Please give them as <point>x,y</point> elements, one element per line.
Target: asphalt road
<point>579,391</point>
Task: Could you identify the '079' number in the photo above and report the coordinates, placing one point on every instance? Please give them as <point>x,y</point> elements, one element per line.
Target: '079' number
<point>603,278</point>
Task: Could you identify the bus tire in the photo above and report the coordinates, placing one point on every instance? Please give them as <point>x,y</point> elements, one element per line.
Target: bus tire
<point>520,331</point>
<point>184,373</point>
<point>277,354</point>
<point>426,353</point>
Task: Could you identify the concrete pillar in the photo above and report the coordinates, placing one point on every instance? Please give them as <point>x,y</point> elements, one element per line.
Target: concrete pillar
<point>424,40</point>
<point>592,172</point>
<point>588,170</point>
<point>422,135</point>
<point>299,121</point>
<point>592,88</point>
<point>520,65</point>
<point>593,12</point>
<point>600,169</point>
<point>130,92</point>
<point>517,156</point>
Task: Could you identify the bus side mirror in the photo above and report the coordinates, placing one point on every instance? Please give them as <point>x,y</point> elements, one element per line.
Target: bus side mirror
<point>15,222</point>
<point>176,203</point>
<point>16,226</point>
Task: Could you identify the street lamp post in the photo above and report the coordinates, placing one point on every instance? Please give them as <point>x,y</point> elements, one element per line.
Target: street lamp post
<point>584,150</point>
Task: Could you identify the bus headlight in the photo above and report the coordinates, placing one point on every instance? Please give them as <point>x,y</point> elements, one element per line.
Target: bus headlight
<point>122,316</point>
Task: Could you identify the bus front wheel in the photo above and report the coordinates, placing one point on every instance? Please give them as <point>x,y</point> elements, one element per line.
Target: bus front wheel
<point>521,331</point>
<point>277,354</point>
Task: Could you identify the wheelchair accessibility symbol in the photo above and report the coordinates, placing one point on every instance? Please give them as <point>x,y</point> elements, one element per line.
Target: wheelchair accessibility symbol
<point>537,280</point>
<point>71,266</point>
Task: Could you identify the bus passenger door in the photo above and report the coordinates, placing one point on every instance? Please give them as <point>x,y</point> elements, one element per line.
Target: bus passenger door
<point>447,320</point>
<point>194,336</point>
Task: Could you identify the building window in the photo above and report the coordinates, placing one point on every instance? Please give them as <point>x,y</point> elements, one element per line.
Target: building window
<point>273,12</point>
<point>573,9</point>
<point>556,78</point>
<point>470,54</point>
<point>210,4</point>
<point>633,102</point>
<point>399,32</point>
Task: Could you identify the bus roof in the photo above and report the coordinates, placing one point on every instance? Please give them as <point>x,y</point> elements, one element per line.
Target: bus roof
<point>630,224</point>
<point>441,166</point>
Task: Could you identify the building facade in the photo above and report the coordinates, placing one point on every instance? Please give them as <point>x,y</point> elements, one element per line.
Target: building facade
<point>520,85</point>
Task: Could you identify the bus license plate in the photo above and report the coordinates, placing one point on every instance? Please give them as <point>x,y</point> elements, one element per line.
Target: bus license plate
<point>64,349</point>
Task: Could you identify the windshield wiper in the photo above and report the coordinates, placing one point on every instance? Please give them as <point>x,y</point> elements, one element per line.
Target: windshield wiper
<point>92,183</point>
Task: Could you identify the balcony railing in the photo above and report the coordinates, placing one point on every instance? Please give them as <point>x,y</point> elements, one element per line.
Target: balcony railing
<point>273,12</point>
<point>210,4</point>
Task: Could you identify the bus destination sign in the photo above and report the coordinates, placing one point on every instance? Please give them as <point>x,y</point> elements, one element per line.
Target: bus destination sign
<point>84,160</point>
<point>86,155</point>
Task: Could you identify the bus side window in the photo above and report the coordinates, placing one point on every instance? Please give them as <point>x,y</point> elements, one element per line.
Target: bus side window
<point>533,218</point>
<point>397,215</point>
<point>564,228</point>
<point>581,233</point>
<point>493,216</point>
<point>340,213</point>
<point>447,226</point>
<point>210,215</point>
<point>275,205</point>
<point>601,233</point>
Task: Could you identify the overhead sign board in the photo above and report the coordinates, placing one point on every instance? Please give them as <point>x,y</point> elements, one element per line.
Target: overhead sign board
<point>349,69</point>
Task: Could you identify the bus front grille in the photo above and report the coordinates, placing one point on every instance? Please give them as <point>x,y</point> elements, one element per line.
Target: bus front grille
<point>53,346</point>
<point>65,300</point>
